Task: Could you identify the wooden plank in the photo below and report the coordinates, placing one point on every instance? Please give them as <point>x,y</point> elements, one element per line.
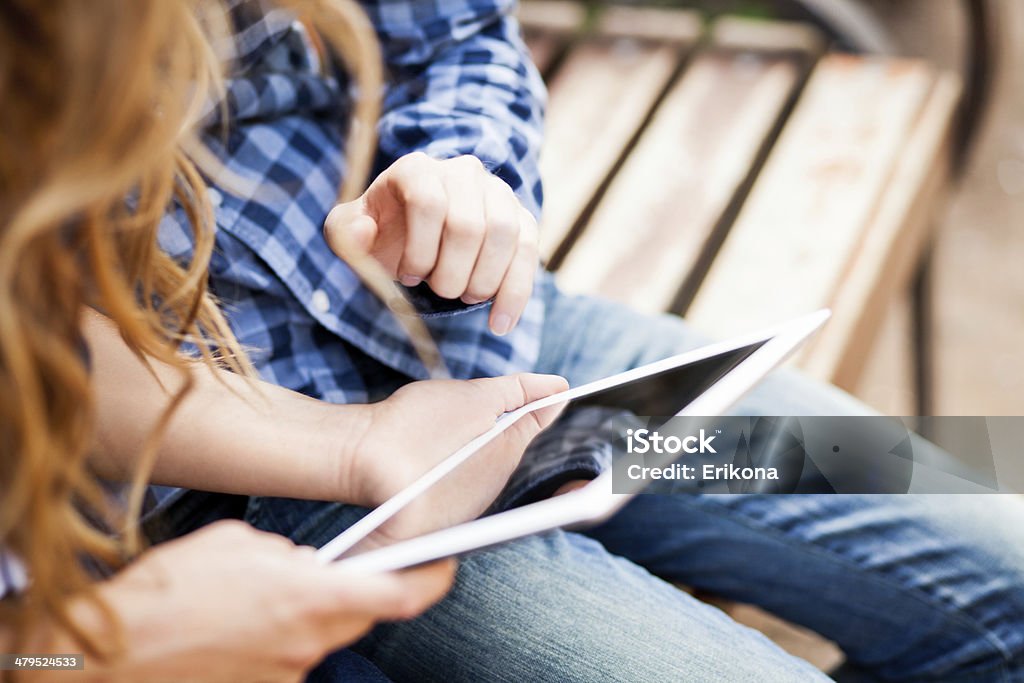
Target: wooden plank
<point>662,210</point>
<point>649,24</point>
<point>600,97</point>
<point>796,640</point>
<point>796,237</point>
<point>887,380</point>
<point>766,36</point>
<point>548,27</point>
<point>884,260</point>
<point>556,16</point>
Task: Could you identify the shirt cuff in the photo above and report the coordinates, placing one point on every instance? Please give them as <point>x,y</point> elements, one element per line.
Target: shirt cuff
<point>430,305</point>
<point>543,484</point>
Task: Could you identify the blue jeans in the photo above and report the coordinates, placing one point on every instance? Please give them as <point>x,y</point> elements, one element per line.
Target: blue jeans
<point>917,588</point>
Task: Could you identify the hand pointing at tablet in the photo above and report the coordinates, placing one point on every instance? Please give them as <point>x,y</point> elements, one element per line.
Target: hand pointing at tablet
<point>424,422</point>
<point>449,223</point>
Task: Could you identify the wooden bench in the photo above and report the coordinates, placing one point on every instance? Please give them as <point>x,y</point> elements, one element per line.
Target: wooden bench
<point>738,172</point>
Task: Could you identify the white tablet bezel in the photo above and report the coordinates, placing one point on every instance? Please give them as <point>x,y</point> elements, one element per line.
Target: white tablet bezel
<point>590,503</point>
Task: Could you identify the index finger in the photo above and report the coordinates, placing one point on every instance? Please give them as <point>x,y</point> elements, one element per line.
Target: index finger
<point>517,286</point>
<point>424,203</point>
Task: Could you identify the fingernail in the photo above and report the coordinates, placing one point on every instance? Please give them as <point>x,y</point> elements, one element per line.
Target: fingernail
<point>410,280</point>
<point>502,324</point>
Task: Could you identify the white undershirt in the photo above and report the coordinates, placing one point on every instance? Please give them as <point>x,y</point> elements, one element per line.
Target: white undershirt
<point>12,574</point>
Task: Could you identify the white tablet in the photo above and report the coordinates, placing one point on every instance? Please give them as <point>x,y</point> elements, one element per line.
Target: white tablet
<point>703,382</point>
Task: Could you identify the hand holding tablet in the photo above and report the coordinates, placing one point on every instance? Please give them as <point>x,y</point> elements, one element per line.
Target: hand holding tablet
<point>419,426</point>
<point>705,381</point>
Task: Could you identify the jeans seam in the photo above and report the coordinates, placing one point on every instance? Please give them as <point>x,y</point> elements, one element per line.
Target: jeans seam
<point>926,599</point>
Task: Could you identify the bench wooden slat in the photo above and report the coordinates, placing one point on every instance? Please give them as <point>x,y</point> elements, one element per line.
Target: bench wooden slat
<point>883,262</point>
<point>555,16</point>
<point>599,98</point>
<point>740,33</point>
<point>664,205</point>
<point>649,24</point>
<point>548,27</point>
<point>798,232</point>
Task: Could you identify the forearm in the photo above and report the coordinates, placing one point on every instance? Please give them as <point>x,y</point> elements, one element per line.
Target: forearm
<point>230,434</point>
<point>470,89</point>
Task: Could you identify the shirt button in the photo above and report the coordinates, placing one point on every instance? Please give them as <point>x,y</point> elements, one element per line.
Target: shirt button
<point>321,301</point>
<point>214,196</point>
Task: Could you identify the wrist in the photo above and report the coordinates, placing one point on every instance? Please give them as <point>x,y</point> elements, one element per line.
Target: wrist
<point>343,435</point>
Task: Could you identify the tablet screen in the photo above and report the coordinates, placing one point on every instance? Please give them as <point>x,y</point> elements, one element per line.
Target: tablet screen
<point>667,392</point>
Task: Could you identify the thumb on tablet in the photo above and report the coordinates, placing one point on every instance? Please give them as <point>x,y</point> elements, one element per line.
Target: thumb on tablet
<point>514,391</point>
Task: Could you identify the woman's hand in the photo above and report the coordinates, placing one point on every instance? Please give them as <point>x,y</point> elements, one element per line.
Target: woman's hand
<point>229,603</point>
<point>449,223</point>
<point>424,422</point>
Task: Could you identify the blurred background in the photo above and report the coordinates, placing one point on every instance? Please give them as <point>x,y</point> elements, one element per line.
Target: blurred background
<point>979,260</point>
<point>979,267</point>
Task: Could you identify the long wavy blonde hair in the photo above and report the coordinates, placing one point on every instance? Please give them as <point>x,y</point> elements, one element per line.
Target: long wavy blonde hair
<point>99,102</point>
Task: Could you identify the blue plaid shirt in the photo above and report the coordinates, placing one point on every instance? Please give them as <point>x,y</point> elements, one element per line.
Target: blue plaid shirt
<point>460,82</point>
